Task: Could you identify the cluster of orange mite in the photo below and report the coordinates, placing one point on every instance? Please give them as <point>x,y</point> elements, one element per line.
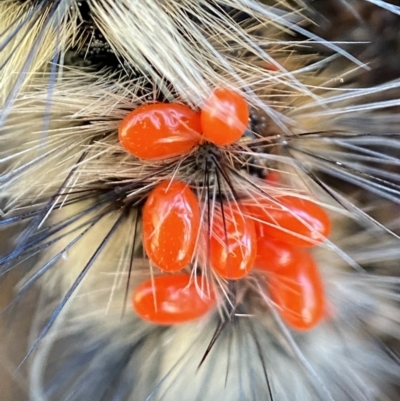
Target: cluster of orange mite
<point>271,235</point>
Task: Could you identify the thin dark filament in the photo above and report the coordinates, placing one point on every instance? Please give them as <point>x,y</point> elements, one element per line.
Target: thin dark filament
<point>221,203</point>
<point>128,281</point>
<point>207,179</point>
<point>47,232</point>
<point>248,181</point>
<point>377,157</point>
<point>260,355</point>
<point>225,176</point>
<point>184,356</point>
<point>28,62</point>
<point>389,351</point>
<point>218,330</point>
<point>53,73</point>
<point>16,30</point>
<point>300,356</point>
<point>36,221</point>
<point>19,26</point>
<point>35,250</point>
<point>35,239</point>
<point>239,348</point>
<point>338,135</point>
<point>139,182</point>
<point>221,326</point>
<point>118,379</point>
<point>265,142</point>
<point>16,219</point>
<point>228,363</point>
<point>354,209</point>
<point>232,284</point>
<point>28,283</point>
<point>383,183</point>
<point>5,178</point>
<point>71,291</point>
<point>27,215</point>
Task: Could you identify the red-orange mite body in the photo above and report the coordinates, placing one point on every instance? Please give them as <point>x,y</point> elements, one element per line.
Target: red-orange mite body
<point>298,293</point>
<point>171,221</point>
<point>172,299</point>
<point>293,220</point>
<point>233,248</point>
<point>267,235</point>
<point>277,257</point>
<point>224,117</point>
<point>160,130</point>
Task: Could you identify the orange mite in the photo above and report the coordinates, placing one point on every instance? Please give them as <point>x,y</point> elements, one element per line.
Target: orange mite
<point>224,117</point>
<point>273,178</point>
<point>233,247</point>
<point>172,300</point>
<point>276,257</point>
<point>298,292</point>
<point>303,223</point>
<point>160,130</point>
<point>171,221</point>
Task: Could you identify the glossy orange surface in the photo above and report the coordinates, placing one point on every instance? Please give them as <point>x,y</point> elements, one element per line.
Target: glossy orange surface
<point>171,300</point>
<point>171,220</point>
<point>277,257</point>
<point>160,130</point>
<point>224,117</point>
<point>298,293</point>
<point>233,249</point>
<point>302,223</point>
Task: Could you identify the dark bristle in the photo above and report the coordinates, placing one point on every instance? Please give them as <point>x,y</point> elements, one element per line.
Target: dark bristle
<point>205,155</point>
<point>36,2</point>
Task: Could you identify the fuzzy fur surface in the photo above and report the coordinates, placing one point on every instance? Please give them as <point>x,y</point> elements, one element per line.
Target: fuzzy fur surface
<point>324,108</point>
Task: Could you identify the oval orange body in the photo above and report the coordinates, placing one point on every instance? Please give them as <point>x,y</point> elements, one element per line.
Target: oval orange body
<point>277,257</point>
<point>172,300</point>
<point>224,117</point>
<point>160,130</point>
<point>171,221</point>
<point>306,223</point>
<point>273,178</point>
<point>233,248</point>
<point>299,293</point>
